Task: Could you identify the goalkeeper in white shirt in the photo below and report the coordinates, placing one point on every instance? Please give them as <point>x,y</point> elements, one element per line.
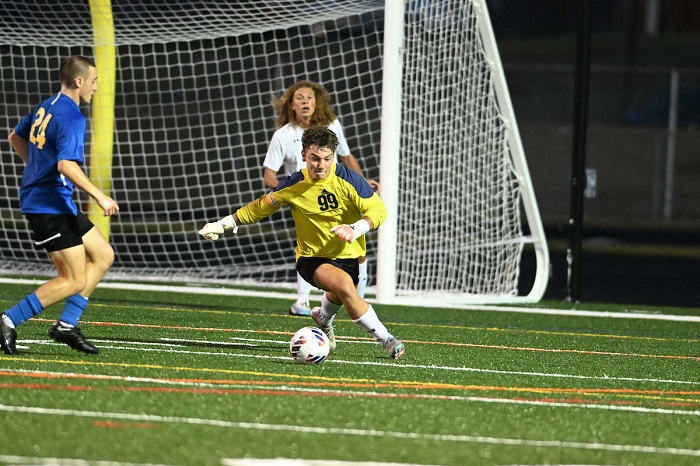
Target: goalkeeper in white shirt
<point>333,208</point>
<point>303,105</point>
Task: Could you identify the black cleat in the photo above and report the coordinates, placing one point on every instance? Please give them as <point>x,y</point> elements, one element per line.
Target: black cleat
<point>8,337</point>
<point>73,337</point>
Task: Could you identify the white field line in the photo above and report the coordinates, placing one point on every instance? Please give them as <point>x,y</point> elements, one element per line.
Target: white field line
<point>357,432</point>
<point>630,314</point>
<point>132,346</point>
<point>282,386</point>
<point>303,462</point>
<point>26,460</point>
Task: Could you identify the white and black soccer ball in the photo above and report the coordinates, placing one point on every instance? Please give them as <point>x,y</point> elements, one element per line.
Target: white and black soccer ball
<point>309,346</point>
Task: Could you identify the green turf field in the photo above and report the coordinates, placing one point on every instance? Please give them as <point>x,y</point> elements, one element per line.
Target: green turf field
<point>186,379</point>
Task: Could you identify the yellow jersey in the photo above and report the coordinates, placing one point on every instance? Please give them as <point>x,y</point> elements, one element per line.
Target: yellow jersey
<point>344,197</point>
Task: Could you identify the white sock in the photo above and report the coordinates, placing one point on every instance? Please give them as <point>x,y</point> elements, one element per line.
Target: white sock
<point>362,283</point>
<point>328,310</point>
<point>303,289</point>
<point>369,322</point>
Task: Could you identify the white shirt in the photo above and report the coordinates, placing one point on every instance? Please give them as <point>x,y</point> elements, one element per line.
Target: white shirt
<point>285,148</point>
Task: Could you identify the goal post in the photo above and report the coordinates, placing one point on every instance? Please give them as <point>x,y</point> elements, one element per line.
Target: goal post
<point>102,147</point>
<point>449,133</point>
<point>193,85</point>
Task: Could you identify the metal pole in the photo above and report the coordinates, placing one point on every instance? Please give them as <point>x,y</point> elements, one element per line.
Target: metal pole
<point>578,162</point>
<point>671,146</point>
<point>390,145</point>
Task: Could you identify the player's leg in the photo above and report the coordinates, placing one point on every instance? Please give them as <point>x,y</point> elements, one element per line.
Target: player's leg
<point>99,257</point>
<point>340,288</point>
<point>301,306</point>
<point>362,276</point>
<point>59,235</point>
<point>324,315</point>
<point>71,263</point>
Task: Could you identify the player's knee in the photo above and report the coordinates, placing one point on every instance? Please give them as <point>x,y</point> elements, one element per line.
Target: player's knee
<point>108,257</point>
<point>76,285</point>
<point>346,288</point>
<point>104,259</point>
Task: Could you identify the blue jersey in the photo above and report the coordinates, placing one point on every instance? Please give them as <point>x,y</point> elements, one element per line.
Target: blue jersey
<point>55,131</point>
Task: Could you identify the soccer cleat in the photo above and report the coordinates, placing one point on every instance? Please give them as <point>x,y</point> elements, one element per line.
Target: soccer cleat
<point>327,329</point>
<point>8,336</point>
<point>394,347</point>
<point>300,307</point>
<point>73,337</point>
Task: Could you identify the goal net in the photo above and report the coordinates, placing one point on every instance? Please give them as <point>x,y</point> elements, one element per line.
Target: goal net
<point>193,118</point>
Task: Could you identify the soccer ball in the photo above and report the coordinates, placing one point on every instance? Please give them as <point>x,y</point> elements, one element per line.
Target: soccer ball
<point>309,346</point>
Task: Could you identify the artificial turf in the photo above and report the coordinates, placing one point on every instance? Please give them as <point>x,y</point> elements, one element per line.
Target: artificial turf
<point>189,379</point>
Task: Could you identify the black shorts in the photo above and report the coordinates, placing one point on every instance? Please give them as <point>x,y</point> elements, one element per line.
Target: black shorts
<point>57,232</point>
<point>306,266</point>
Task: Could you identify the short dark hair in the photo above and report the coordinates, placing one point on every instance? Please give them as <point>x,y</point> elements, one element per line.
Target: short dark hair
<point>75,66</point>
<point>320,136</point>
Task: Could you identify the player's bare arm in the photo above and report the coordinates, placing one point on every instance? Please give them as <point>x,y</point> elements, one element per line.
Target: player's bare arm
<point>71,170</point>
<point>270,178</point>
<point>20,145</point>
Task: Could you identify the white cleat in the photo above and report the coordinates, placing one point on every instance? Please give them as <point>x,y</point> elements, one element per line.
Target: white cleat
<point>327,329</point>
<point>300,308</point>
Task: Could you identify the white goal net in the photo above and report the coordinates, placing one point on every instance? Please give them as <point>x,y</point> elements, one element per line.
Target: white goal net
<point>192,121</point>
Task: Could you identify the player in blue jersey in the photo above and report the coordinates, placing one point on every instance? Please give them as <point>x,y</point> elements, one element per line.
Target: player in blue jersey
<point>50,141</point>
<point>333,207</point>
<point>303,105</point>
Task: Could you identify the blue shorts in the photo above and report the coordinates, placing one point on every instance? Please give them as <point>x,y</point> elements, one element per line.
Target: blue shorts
<point>58,232</point>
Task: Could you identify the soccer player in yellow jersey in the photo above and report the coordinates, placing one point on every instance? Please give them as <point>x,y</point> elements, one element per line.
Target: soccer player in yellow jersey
<point>333,208</point>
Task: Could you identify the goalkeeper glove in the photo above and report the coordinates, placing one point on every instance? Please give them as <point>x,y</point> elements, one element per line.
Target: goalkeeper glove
<point>350,233</point>
<point>212,231</point>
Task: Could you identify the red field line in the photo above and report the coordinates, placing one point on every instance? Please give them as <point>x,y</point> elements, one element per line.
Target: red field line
<point>128,425</point>
<point>374,385</point>
<point>272,392</point>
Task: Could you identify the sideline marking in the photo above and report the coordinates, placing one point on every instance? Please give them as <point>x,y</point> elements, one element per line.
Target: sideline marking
<point>334,361</point>
<point>634,314</point>
<point>358,432</point>
<point>24,460</point>
<point>303,462</point>
<point>302,388</point>
<point>372,341</point>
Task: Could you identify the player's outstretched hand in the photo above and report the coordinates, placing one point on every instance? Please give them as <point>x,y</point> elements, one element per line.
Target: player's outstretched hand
<point>212,231</point>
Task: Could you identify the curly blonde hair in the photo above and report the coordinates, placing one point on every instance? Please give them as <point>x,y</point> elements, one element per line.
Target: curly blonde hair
<point>322,116</point>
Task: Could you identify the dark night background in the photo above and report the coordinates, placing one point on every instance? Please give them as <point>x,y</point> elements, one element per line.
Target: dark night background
<point>641,240</point>
<point>641,229</point>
